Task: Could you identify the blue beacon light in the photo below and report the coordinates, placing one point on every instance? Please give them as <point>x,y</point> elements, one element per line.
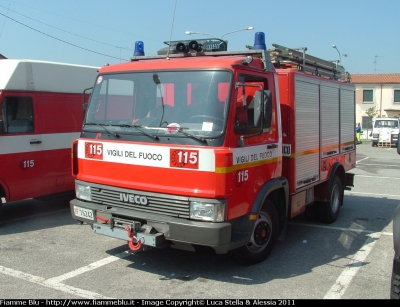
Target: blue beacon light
<point>259,41</point>
<point>139,48</point>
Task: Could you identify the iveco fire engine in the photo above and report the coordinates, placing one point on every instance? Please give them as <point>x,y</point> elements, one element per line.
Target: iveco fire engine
<point>201,146</point>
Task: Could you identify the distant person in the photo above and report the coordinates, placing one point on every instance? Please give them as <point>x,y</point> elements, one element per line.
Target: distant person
<point>358,133</point>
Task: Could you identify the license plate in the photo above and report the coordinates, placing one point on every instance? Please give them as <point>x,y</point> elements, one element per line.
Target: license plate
<point>85,213</point>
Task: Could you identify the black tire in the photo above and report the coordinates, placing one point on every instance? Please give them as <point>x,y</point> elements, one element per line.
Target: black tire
<point>263,239</point>
<point>329,211</point>
<point>373,144</point>
<point>395,287</point>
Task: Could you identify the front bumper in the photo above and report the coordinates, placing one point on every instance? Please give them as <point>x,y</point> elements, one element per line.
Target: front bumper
<point>393,140</point>
<point>159,230</point>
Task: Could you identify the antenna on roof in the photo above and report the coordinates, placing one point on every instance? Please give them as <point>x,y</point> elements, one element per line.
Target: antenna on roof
<point>172,26</point>
<point>376,61</point>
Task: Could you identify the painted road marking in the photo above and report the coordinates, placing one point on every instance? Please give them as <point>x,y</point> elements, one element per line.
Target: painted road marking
<point>376,177</point>
<point>335,292</point>
<point>389,196</point>
<point>89,267</point>
<point>362,160</point>
<point>340,228</point>
<point>344,280</point>
<point>55,286</point>
<point>55,282</point>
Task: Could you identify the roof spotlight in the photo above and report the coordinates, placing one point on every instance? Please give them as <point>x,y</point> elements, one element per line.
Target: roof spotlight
<point>193,45</point>
<point>181,47</point>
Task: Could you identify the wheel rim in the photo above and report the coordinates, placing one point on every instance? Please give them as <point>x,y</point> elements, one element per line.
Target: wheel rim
<point>261,234</point>
<point>335,200</point>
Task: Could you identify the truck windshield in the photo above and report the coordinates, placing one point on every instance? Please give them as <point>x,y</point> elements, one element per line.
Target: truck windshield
<point>181,103</point>
<point>386,123</point>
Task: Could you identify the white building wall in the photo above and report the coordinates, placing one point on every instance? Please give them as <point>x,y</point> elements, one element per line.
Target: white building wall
<point>383,99</point>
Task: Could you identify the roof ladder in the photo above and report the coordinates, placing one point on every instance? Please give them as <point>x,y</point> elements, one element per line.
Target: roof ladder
<point>283,57</point>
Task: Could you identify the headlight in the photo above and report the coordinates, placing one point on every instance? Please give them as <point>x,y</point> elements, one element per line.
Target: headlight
<point>207,211</point>
<point>83,191</point>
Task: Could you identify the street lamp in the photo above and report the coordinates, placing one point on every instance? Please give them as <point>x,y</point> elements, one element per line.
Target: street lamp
<point>340,55</point>
<point>219,38</point>
<point>244,29</point>
<point>194,32</point>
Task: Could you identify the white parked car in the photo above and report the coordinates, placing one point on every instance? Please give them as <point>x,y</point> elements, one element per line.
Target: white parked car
<point>385,131</point>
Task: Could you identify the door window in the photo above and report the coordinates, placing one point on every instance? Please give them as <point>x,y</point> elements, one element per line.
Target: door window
<point>16,115</point>
<point>247,113</point>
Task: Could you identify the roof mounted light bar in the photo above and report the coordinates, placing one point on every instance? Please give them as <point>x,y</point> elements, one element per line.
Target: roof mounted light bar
<point>200,45</point>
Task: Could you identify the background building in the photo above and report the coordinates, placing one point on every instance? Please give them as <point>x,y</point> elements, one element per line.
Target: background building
<point>379,91</point>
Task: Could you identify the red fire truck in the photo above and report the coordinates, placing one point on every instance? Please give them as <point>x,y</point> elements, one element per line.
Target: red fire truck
<point>41,113</point>
<point>201,146</point>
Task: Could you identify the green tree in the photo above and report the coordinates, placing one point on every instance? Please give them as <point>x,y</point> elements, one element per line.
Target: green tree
<point>372,112</point>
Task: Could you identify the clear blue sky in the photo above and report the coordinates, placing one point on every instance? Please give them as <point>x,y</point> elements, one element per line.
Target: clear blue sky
<point>93,33</point>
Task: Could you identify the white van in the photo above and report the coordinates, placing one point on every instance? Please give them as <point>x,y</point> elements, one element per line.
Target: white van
<point>385,131</point>
<point>41,113</point>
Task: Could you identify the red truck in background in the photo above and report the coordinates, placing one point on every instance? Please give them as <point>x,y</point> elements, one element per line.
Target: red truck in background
<point>41,113</point>
<point>201,146</point>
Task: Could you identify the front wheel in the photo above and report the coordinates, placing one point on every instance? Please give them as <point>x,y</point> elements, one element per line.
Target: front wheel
<point>263,238</point>
<point>329,211</point>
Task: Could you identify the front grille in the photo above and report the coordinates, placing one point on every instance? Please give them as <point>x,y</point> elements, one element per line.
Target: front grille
<point>176,206</point>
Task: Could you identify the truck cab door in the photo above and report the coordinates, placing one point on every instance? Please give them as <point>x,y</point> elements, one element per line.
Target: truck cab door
<point>255,142</point>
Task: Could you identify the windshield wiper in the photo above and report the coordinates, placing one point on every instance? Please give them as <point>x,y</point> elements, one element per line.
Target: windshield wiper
<point>103,126</point>
<point>139,128</point>
<point>180,129</point>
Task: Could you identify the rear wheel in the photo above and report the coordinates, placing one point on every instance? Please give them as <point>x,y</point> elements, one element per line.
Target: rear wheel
<point>329,211</point>
<point>263,238</point>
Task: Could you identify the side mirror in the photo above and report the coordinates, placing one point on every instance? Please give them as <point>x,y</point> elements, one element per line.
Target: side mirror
<point>267,108</point>
<point>260,111</point>
<point>263,100</point>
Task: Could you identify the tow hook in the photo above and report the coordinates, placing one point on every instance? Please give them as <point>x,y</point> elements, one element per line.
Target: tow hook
<point>134,244</point>
<point>106,221</point>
